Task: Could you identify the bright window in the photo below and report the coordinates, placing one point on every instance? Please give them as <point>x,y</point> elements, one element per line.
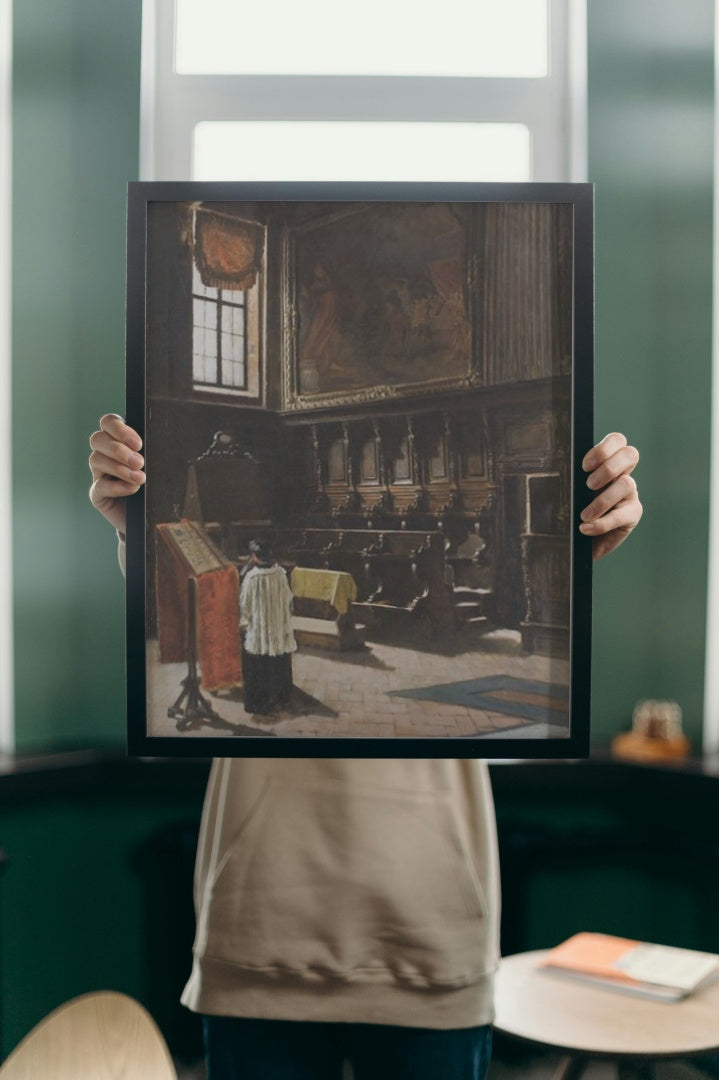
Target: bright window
<point>219,338</point>
<point>264,150</point>
<point>470,90</point>
<point>463,38</point>
<point>225,339</point>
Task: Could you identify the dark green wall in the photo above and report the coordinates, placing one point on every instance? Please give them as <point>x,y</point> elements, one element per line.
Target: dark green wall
<point>97,888</point>
<point>79,893</point>
<point>76,92</point>
<point>650,156</point>
<point>63,934</point>
<point>75,146</point>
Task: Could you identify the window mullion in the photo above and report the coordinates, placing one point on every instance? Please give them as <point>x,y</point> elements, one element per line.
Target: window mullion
<point>218,369</point>
<point>225,97</point>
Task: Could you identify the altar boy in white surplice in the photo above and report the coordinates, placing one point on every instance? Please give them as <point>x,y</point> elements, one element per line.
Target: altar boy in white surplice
<point>266,616</point>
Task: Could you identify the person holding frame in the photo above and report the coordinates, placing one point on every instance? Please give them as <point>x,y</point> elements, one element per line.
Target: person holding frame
<point>349,908</point>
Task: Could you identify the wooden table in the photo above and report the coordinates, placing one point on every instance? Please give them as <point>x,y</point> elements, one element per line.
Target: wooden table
<point>99,1036</point>
<point>588,1022</point>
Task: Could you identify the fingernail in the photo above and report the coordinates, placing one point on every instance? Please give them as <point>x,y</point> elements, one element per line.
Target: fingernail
<point>588,527</point>
<point>137,460</point>
<point>137,477</point>
<point>592,482</point>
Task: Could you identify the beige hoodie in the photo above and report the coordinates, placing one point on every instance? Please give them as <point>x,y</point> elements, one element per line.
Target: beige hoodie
<point>347,890</point>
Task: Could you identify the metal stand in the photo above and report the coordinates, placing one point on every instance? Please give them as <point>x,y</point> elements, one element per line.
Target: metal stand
<point>196,706</point>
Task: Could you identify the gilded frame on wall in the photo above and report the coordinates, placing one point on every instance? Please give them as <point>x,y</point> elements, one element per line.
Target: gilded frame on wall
<point>380,312</point>
<point>380,394</point>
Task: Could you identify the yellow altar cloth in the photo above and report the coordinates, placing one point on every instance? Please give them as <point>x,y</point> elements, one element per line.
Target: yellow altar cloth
<point>334,586</point>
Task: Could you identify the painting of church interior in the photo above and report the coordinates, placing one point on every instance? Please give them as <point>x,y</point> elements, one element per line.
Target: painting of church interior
<point>375,396</point>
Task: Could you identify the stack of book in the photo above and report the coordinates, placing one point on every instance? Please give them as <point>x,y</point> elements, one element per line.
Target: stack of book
<point>660,972</point>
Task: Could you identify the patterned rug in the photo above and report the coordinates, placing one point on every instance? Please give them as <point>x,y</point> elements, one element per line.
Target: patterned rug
<point>527,699</point>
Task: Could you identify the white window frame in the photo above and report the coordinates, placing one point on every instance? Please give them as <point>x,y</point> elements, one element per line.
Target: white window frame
<point>7,705</point>
<point>553,108</point>
<point>253,344</point>
<point>710,728</point>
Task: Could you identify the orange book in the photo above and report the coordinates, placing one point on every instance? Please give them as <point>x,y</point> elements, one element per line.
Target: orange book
<point>662,972</point>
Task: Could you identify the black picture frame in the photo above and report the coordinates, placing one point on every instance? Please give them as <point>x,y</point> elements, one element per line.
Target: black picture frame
<point>465,477</point>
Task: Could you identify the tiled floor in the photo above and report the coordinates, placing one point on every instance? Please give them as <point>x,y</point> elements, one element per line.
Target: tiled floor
<point>347,693</point>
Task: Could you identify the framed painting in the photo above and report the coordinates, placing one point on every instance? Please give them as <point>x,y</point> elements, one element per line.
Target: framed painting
<point>364,409</point>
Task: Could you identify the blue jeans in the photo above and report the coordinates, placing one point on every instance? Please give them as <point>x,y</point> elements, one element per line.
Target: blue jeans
<point>239,1049</point>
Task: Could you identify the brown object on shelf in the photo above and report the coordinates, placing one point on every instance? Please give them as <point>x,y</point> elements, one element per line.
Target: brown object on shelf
<point>185,551</point>
<point>656,734</point>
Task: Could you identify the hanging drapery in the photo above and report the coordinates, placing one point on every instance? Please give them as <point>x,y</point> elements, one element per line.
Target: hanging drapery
<point>228,253</point>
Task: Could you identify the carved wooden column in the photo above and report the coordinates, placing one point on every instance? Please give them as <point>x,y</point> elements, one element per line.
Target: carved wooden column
<point>351,480</point>
<point>384,502</point>
<point>352,501</point>
<point>454,504</point>
<point>452,455</point>
<point>418,465</point>
<point>321,500</point>
<point>562,437</point>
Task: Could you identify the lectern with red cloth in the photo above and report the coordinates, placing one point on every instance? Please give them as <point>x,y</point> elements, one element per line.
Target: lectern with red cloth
<point>183,552</point>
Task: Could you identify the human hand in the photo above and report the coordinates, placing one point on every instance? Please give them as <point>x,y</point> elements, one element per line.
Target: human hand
<point>116,468</point>
<point>616,509</point>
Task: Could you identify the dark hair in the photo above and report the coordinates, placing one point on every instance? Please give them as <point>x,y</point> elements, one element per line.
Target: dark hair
<point>260,549</point>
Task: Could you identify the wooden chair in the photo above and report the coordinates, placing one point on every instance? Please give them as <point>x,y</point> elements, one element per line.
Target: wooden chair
<point>99,1036</point>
